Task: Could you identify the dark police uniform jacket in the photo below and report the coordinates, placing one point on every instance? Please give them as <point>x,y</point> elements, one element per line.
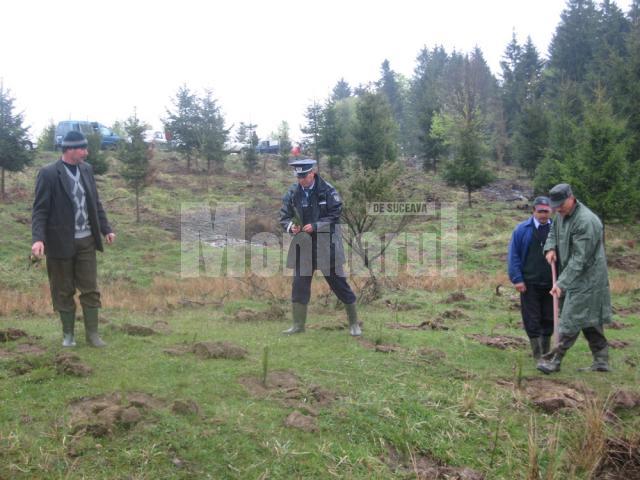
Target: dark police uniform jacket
<point>323,212</point>
<point>52,217</point>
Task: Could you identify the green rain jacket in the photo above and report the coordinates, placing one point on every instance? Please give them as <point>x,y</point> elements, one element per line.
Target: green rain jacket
<point>582,275</point>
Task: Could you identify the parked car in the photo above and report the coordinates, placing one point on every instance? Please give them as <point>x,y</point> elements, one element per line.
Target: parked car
<point>268,146</point>
<point>109,141</point>
<point>155,137</point>
<point>235,147</point>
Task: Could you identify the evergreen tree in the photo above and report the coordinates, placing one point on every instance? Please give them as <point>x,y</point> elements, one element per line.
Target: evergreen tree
<point>390,87</point>
<point>181,123</point>
<point>332,138</point>
<point>630,93</point>
<point>341,91</point>
<point>96,157</point>
<point>311,129</point>
<point>284,143</point>
<point>375,131</point>
<point>14,153</point>
<point>135,157</point>
<point>47,138</point>
<point>250,157</point>
<point>531,136</point>
<point>599,171</point>
<point>211,133</point>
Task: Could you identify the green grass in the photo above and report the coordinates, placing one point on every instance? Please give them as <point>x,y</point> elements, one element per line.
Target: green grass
<point>449,407</point>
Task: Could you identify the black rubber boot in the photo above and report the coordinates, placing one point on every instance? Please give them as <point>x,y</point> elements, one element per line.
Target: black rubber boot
<point>91,327</point>
<point>552,365</point>
<point>68,320</point>
<point>299,314</point>
<point>536,347</point>
<point>600,362</point>
<point>352,316</point>
<point>546,344</point>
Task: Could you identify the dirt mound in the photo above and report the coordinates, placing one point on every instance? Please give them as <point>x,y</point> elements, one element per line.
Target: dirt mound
<point>161,326</point>
<point>627,263</point>
<point>287,388</point>
<point>137,330</point>
<point>456,297</point>
<point>12,334</point>
<point>618,344</point>
<point>621,460</point>
<point>68,363</point>
<point>379,347</point>
<point>273,313</point>
<point>431,355</point>
<point>500,341</point>
<point>186,407</point>
<point>29,349</point>
<point>553,395</point>
<point>101,415</point>
<point>618,325</point>
<point>300,421</point>
<point>206,350</point>
<point>425,325</point>
<point>624,400</point>
<point>454,314</point>
<point>424,466</point>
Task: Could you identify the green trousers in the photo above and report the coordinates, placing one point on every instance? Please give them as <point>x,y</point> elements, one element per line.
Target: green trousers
<point>66,275</point>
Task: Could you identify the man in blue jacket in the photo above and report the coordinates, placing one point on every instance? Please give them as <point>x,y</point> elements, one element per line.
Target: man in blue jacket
<point>530,274</point>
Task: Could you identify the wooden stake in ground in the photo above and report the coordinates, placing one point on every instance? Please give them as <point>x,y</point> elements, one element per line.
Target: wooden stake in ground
<point>556,307</point>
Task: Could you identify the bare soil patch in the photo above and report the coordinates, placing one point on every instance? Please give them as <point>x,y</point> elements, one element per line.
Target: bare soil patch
<point>287,388</point>
<point>552,395</point>
<point>618,344</point>
<point>379,347</point>
<point>500,341</point>
<point>624,400</point>
<point>301,421</point>
<point>627,263</point>
<point>401,307</point>
<point>273,313</point>
<point>456,297</point>
<point>617,325</point>
<point>29,349</point>
<point>424,466</point>
<point>68,363</point>
<point>454,314</point>
<point>435,324</point>
<point>12,334</point>
<point>161,326</point>
<point>207,350</point>
<point>137,330</point>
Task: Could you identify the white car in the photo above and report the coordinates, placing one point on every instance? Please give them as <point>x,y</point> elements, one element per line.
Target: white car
<point>155,137</point>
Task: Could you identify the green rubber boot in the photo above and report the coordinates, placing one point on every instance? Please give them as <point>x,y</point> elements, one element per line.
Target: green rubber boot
<point>68,320</point>
<point>91,327</point>
<point>536,347</point>
<point>600,362</point>
<point>299,314</point>
<point>352,315</point>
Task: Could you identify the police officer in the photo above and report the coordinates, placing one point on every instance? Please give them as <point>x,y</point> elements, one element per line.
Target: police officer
<point>311,211</point>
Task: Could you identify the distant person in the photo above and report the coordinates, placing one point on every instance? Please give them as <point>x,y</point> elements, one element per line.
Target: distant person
<point>530,274</point>
<point>68,223</point>
<point>295,151</point>
<point>311,211</point>
<point>576,244</point>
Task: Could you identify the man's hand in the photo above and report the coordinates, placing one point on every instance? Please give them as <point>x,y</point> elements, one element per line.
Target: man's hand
<point>37,249</point>
<point>110,238</point>
<point>551,256</point>
<point>556,291</point>
<point>521,287</point>
<point>308,228</point>
<point>295,229</point>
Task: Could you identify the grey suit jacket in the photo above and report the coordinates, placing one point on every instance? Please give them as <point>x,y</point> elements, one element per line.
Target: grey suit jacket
<point>52,218</point>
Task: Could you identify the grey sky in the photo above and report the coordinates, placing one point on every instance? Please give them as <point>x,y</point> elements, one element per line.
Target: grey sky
<point>264,60</point>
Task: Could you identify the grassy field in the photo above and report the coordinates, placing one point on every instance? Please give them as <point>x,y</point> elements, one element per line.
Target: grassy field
<point>211,389</point>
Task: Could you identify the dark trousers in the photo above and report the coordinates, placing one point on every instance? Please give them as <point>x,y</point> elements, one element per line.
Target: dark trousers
<point>594,335</point>
<point>66,275</point>
<point>301,287</point>
<point>537,311</point>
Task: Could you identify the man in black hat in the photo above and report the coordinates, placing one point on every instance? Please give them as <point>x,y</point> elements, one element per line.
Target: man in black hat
<point>530,274</point>
<point>68,223</point>
<point>576,245</point>
<point>311,212</point>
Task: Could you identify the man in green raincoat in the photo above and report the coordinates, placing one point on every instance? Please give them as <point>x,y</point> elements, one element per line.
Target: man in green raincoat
<point>575,244</point>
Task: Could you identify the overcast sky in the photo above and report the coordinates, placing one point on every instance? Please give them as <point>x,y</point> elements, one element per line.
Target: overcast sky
<point>265,61</point>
